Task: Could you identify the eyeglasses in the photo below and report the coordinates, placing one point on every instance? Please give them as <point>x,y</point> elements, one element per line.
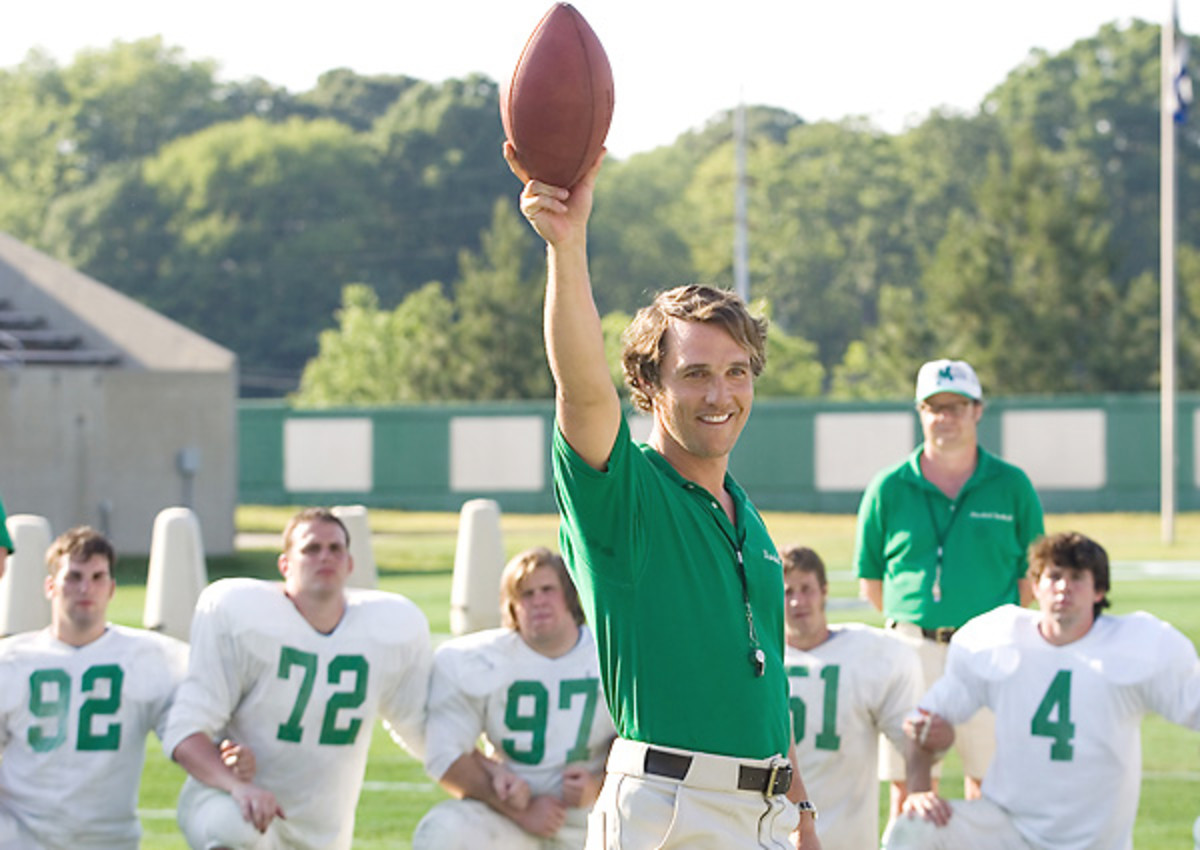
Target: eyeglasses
<point>953,409</point>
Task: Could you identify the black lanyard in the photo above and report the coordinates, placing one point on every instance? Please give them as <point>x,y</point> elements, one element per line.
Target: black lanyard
<point>941,535</point>
<point>756,657</point>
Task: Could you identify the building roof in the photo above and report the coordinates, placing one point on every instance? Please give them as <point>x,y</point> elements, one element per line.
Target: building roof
<point>54,315</point>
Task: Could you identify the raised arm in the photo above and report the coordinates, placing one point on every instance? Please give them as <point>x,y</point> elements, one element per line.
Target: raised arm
<point>587,405</point>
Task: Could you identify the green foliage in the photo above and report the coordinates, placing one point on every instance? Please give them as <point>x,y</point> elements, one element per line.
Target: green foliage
<point>499,306</point>
<point>263,218</point>
<point>1023,235</point>
<point>827,228</point>
<point>613,327</point>
<point>1034,265</point>
<point>884,364</point>
<point>353,99</point>
<point>376,356</point>
<point>485,344</point>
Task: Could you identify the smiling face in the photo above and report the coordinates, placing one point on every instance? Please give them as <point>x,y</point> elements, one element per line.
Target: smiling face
<point>79,591</point>
<point>704,396</point>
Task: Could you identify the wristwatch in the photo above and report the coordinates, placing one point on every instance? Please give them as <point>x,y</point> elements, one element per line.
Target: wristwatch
<point>806,807</point>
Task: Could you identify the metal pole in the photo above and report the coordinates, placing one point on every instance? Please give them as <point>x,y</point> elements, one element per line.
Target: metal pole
<point>1167,281</point>
<point>741,240</point>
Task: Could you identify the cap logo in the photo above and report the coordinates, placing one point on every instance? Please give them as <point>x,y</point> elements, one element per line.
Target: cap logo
<point>946,373</point>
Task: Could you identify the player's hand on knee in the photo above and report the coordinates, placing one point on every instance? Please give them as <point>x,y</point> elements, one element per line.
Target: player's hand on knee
<point>581,787</point>
<point>257,805</point>
<point>928,806</point>
<point>511,789</point>
<point>543,817</point>
<point>240,759</point>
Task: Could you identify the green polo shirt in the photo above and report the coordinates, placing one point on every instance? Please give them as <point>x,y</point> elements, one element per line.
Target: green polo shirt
<point>984,534</point>
<point>654,558</point>
<point>5,539</point>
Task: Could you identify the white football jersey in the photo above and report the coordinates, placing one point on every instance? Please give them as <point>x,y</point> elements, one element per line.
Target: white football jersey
<point>538,714</point>
<point>305,702</point>
<point>73,727</point>
<point>1068,759</point>
<point>858,684</point>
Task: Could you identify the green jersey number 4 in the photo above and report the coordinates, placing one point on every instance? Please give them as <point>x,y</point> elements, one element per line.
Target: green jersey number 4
<point>1053,718</point>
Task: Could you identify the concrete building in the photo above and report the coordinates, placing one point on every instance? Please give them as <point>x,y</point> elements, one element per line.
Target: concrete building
<point>109,412</point>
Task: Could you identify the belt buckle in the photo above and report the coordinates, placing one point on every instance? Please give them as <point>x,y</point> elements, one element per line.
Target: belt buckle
<point>785,781</point>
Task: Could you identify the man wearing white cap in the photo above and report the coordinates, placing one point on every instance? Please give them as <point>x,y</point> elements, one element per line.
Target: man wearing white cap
<point>942,537</point>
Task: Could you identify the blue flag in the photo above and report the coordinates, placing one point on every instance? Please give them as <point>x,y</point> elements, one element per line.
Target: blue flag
<point>1181,83</point>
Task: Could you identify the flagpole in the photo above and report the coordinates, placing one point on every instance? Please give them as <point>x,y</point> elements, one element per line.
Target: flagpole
<point>1167,281</point>
<point>741,238</point>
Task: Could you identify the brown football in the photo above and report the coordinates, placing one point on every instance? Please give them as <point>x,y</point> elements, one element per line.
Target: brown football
<point>558,104</point>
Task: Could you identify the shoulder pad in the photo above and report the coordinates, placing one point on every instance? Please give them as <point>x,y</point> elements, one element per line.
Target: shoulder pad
<point>991,643</point>
<point>390,619</point>
<point>477,663</point>
<point>245,604</point>
<point>157,663</point>
<point>1132,648</point>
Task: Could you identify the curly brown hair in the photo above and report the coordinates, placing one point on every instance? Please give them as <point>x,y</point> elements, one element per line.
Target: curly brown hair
<point>1074,551</point>
<point>644,338</point>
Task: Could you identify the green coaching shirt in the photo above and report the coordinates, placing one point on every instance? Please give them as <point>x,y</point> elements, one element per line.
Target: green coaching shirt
<point>655,560</point>
<point>5,540</point>
<point>984,535</point>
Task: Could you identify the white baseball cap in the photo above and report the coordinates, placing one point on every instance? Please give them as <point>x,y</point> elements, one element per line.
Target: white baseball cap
<point>948,376</point>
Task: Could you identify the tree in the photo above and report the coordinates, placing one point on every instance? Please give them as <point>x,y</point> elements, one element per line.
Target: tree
<point>39,157</point>
<point>828,228</point>
<point>1025,291</point>
<point>884,363</point>
<point>1100,99</point>
<point>266,221</point>
<point>486,344</point>
<point>793,370</point>
<point>377,356</point>
<point>636,230</point>
<point>439,173</point>
<point>498,300</point>
<point>356,100</point>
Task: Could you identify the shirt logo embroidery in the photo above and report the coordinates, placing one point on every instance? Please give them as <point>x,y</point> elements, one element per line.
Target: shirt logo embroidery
<point>996,515</point>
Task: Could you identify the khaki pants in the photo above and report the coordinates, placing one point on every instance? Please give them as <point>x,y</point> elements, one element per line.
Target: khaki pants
<point>974,740</point>
<point>702,811</point>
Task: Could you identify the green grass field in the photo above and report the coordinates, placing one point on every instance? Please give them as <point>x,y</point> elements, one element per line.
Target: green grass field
<point>415,556</point>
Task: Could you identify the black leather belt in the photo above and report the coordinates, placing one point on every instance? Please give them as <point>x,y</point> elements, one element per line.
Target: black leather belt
<point>941,634</point>
<point>766,780</point>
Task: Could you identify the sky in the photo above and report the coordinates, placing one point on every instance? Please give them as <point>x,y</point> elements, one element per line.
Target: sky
<point>676,63</point>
